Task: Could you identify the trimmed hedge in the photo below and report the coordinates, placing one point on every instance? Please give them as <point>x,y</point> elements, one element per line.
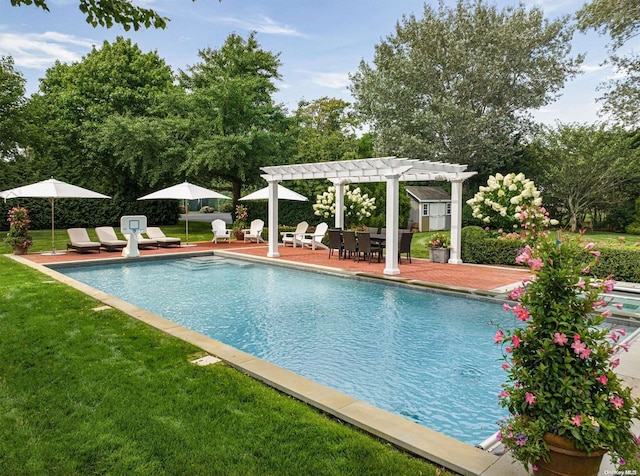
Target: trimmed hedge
<point>478,247</point>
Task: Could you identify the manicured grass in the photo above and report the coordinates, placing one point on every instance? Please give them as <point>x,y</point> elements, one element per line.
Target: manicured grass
<point>96,392</point>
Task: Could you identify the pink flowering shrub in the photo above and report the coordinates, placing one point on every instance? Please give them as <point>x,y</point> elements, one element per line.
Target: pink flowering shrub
<point>560,361</point>
<point>18,235</point>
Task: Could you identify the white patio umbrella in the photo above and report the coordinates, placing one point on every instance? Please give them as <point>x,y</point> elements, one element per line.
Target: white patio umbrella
<point>184,191</point>
<point>51,189</point>
<point>283,194</point>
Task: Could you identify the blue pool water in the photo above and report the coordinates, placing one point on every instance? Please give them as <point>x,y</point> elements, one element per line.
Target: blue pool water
<point>426,356</point>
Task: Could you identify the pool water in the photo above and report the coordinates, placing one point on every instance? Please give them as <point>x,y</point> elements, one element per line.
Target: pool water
<point>427,356</point>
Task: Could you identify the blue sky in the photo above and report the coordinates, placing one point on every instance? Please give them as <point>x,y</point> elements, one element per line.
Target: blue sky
<point>320,41</point>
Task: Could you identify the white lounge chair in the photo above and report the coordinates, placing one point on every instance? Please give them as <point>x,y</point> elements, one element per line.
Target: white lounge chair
<point>108,238</point>
<point>80,241</point>
<point>220,232</point>
<point>255,232</point>
<point>295,237</point>
<point>314,240</point>
<point>143,242</point>
<point>156,233</point>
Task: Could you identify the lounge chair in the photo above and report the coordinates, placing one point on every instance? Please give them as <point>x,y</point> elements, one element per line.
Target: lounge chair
<point>255,232</point>
<point>108,238</point>
<point>143,242</point>
<point>314,240</point>
<point>294,237</point>
<point>79,241</point>
<point>220,232</point>
<point>155,233</point>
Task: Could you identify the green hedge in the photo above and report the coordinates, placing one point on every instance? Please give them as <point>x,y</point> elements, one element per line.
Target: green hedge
<point>480,248</point>
<point>90,213</point>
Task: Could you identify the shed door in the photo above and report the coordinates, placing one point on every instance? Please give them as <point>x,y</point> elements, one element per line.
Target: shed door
<point>438,212</point>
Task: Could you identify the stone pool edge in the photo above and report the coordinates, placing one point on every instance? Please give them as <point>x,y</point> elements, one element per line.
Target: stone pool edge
<point>416,439</point>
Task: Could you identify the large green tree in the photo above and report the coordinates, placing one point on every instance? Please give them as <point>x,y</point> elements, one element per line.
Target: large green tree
<point>11,102</point>
<point>587,169</point>
<point>76,102</point>
<point>458,84</point>
<point>620,19</point>
<point>109,12</point>
<point>236,125</point>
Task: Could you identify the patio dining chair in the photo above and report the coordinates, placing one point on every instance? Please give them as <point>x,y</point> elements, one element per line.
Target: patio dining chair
<point>335,242</point>
<point>367,248</point>
<point>350,245</point>
<point>405,246</point>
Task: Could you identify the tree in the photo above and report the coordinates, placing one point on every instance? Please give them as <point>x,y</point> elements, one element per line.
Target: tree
<point>109,12</point>
<point>458,84</point>
<point>621,21</point>
<point>11,102</point>
<point>236,126</point>
<point>586,168</point>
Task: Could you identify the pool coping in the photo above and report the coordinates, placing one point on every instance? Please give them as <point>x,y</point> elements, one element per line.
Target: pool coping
<point>405,434</point>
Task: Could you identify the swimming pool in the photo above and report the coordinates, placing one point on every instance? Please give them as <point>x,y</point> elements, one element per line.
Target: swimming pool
<point>426,356</point>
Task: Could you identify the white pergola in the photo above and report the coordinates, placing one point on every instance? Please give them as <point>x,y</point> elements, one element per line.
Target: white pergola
<point>391,170</point>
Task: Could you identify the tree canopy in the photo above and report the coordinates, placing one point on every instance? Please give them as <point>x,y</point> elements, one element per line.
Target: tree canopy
<point>110,12</point>
<point>620,19</point>
<point>457,85</point>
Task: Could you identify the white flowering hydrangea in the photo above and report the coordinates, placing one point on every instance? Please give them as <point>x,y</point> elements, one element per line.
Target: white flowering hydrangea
<point>356,205</point>
<point>499,203</point>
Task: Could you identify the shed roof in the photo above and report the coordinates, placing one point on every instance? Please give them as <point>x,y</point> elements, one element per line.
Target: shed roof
<point>428,194</point>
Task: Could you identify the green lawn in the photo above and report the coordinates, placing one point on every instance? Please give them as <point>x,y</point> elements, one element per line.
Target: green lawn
<point>97,392</point>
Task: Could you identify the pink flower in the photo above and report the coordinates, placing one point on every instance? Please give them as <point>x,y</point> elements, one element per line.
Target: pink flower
<point>534,468</point>
<point>503,394</point>
<point>589,246</point>
<point>515,340</point>
<point>499,337</point>
<point>624,346</point>
<point>506,307</point>
<point>505,366</point>
<point>530,398</point>
<point>580,284</point>
<point>560,339</point>
<point>585,353</point>
<point>617,402</point>
<point>608,285</point>
<point>595,253</point>
<point>516,293</point>
<point>603,379</point>
<point>578,346</point>
<point>535,263</point>
<point>606,313</point>
<point>577,420</point>
<point>615,363</point>
<point>525,255</point>
<point>622,331</point>
<point>508,349</point>
<point>614,337</point>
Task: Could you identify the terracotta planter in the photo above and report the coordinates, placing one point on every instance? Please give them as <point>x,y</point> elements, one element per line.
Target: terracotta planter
<point>439,255</point>
<point>566,460</point>
<point>19,250</point>
<point>239,235</point>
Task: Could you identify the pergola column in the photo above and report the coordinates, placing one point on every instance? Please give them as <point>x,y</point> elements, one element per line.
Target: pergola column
<point>339,201</point>
<point>273,219</point>
<point>456,221</point>
<point>393,210</point>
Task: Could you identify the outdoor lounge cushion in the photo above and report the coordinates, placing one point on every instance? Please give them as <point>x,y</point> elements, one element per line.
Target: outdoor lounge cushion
<point>143,242</point>
<point>79,240</point>
<point>108,238</point>
<point>155,233</point>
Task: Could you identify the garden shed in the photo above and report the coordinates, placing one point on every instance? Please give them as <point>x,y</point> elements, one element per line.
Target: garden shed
<point>430,208</point>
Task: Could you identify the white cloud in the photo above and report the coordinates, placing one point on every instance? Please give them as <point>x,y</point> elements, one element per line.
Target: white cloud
<point>263,24</point>
<point>41,50</point>
<point>330,80</point>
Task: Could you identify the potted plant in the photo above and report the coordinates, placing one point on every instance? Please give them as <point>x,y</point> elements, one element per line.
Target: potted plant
<point>18,236</point>
<point>240,223</point>
<point>439,248</point>
<point>561,388</point>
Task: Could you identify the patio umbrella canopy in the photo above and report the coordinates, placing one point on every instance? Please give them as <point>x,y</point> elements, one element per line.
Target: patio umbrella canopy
<point>51,189</point>
<point>283,194</point>
<point>184,191</point>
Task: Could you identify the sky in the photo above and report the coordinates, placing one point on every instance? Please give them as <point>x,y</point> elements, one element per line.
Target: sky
<point>320,42</point>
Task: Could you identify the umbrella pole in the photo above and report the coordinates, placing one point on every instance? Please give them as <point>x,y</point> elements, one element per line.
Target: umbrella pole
<point>53,234</point>
<point>186,214</point>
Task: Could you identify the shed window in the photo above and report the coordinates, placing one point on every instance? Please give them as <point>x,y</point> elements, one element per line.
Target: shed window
<point>425,209</point>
